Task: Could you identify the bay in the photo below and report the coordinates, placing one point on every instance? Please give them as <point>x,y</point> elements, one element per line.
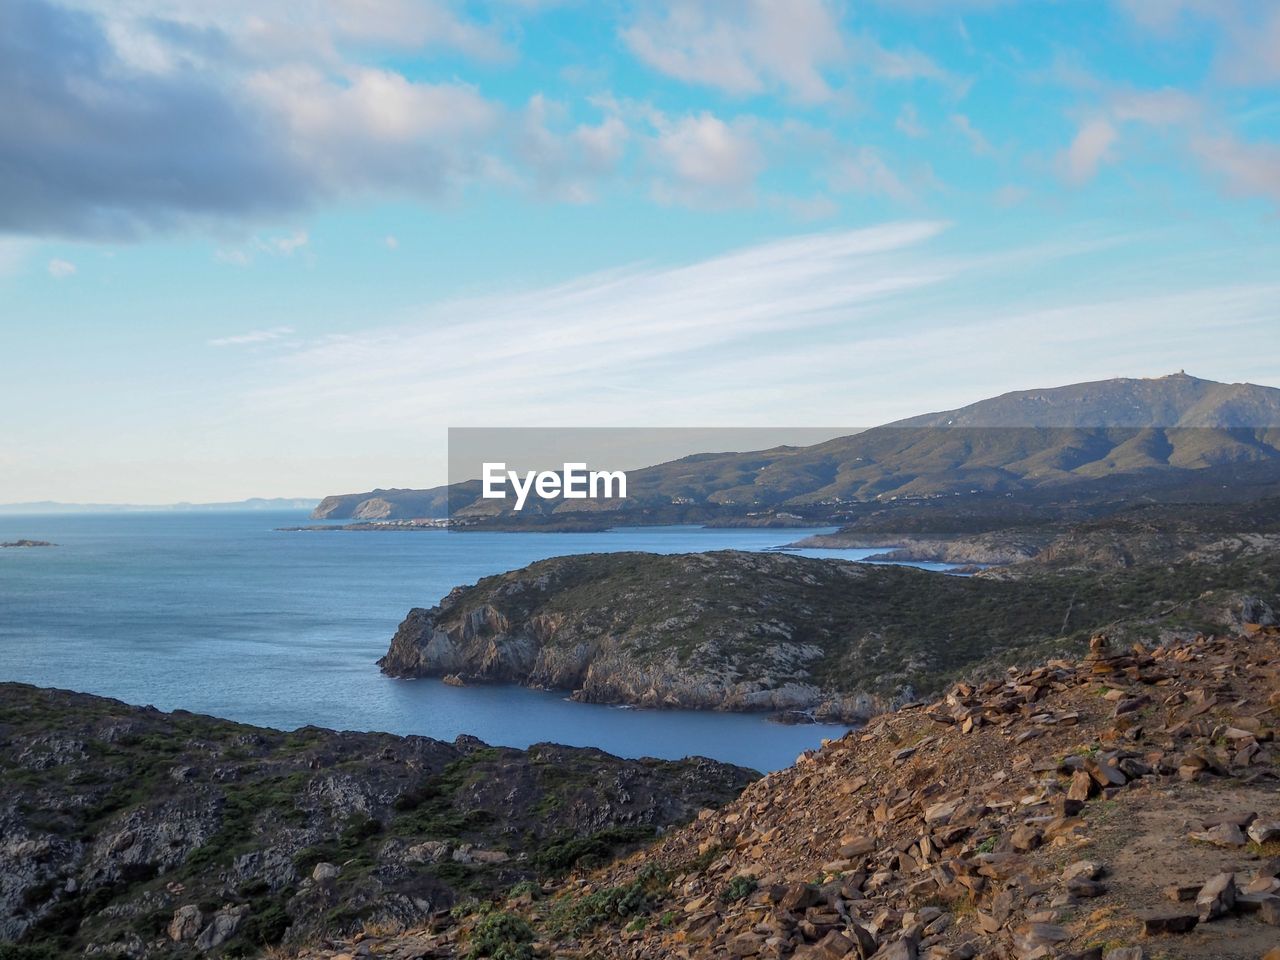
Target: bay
<point>225,615</point>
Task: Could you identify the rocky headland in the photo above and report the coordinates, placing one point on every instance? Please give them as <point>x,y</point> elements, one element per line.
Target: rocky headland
<point>27,543</point>
<point>126,832</point>
<point>778,632</point>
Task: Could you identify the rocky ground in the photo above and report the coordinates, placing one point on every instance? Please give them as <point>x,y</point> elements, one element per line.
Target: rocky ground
<point>128,832</point>
<point>1124,806</point>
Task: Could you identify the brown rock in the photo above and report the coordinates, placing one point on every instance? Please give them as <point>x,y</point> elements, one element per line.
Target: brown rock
<point>1156,924</point>
<point>1223,835</point>
<point>1182,891</point>
<point>1082,786</point>
<point>795,897</point>
<point>1088,869</point>
<point>748,945</point>
<point>1216,897</point>
<point>186,923</point>
<point>1087,889</point>
<point>1031,936</point>
<point>831,947</point>
<point>901,950</point>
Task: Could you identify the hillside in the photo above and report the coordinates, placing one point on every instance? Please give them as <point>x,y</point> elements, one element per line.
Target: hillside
<point>127,832</point>
<point>773,631</point>
<point>1118,807</point>
<point>1062,440</point>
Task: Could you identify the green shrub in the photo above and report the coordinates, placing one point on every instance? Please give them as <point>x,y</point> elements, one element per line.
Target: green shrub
<point>501,936</point>
<point>739,888</point>
<point>574,916</point>
<point>525,887</point>
<point>564,853</point>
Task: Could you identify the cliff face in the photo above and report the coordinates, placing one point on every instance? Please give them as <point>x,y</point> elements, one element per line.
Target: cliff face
<point>394,504</point>
<point>127,832</point>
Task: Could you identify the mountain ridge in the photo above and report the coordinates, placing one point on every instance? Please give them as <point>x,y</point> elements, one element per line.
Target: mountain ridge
<point>1018,441</point>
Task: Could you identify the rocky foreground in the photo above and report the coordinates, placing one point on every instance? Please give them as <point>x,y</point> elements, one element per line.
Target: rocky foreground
<point>1125,806</point>
<point>128,832</point>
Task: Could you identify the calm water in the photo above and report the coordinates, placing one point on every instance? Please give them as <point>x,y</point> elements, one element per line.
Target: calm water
<point>221,614</point>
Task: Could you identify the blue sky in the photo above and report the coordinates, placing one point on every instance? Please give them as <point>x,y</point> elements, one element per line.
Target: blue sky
<point>268,248</point>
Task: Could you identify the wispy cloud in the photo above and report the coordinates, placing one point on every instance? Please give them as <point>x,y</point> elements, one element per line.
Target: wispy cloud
<point>253,336</point>
<point>533,356</point>
<point>1091,146</point>
<point>851,327</point>
<point>60,269</point>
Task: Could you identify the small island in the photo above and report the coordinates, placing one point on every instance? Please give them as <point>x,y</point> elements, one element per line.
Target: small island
<point>28,543</point>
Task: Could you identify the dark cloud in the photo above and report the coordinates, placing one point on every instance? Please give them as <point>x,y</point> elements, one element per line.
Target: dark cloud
<point>93,146</point>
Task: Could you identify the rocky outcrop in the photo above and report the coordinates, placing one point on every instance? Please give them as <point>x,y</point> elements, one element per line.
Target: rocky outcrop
<point>1116,807</point>
<point>778,632</point>
<point>127,831</point>
<point>986,549</point>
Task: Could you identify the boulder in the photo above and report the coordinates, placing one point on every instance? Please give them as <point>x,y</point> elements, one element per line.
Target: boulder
<point>1216,897</point>
<point>222,927</point>
<point>186,923</point>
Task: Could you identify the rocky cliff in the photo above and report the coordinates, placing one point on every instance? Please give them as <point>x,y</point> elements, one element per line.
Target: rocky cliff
<point>772,631</point>
<point>127,832</point>
<point>1122,806</point>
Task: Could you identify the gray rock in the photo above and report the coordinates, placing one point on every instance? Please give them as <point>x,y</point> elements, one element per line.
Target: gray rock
<point>325,871</point>
<point>222,928</point>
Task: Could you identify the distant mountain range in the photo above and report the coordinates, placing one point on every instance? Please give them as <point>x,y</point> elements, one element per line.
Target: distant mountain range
<point>256,503</point>
<point>1135,431</point>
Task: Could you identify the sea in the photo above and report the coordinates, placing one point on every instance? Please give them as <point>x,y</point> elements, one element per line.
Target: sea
<point>224,614</point>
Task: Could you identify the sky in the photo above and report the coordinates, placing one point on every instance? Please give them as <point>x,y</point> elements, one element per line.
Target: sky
<point>265,248</point>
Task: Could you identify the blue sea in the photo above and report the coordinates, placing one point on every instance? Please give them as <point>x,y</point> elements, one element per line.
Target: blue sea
<point>225,615</point>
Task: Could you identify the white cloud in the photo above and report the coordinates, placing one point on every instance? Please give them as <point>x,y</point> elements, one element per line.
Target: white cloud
<point>908,122</point>
<point>1157,108</point>
<point>391,242</point>
<point>1088,150</point>
<point>285,246</point>
<point>60,269</point>
<point>252,337</point>
<point>568,160</point>
<point>977,142</point>
<point>702,158</point>
<point>864,170</point>
<point>743,46</point>
<point>232,257</point>
<point>1248,169</point>
<point>602,335</point>
<point>1247,31</point>
<point>13,254</point>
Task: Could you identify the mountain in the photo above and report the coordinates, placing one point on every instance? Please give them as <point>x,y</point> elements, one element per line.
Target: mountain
<point>1061,440</point>
<point>254,503</point>
<point>128,832</point>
